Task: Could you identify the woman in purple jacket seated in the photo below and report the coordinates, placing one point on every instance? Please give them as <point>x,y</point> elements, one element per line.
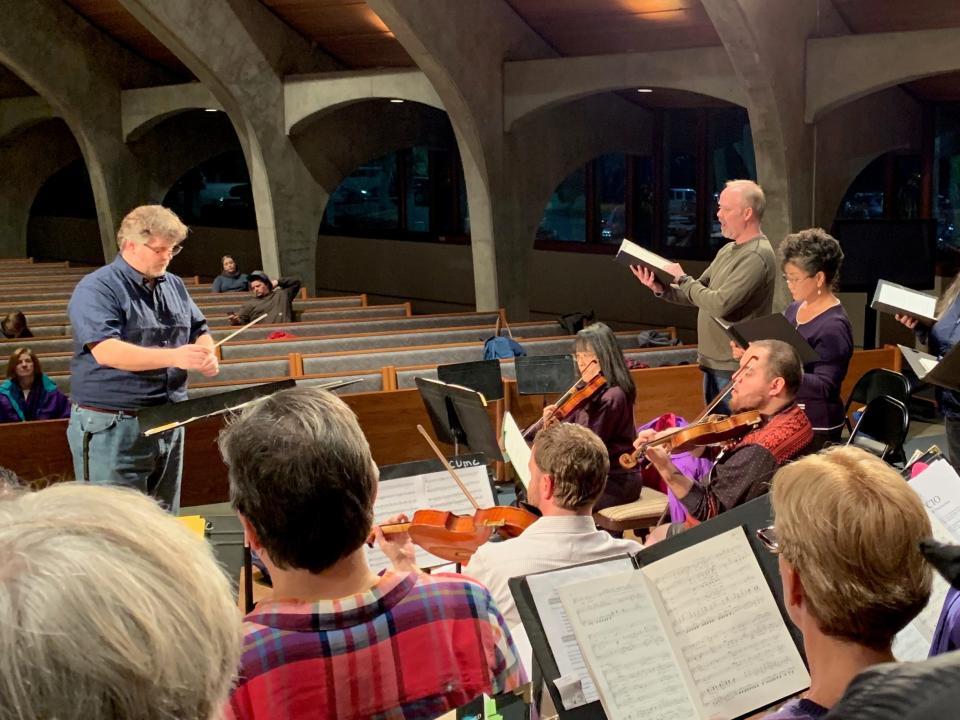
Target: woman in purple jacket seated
<point>28,394</point>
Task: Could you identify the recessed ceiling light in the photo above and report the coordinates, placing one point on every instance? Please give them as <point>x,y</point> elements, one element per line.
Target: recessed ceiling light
<point>396,100</point>
<point>645,90</point>
<point>211,110</point>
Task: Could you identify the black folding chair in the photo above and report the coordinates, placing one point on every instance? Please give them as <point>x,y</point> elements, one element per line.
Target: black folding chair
<point>875,383</point>
<point>882,428</point>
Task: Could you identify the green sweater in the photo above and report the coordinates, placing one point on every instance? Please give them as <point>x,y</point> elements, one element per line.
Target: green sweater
<point>738,285</point>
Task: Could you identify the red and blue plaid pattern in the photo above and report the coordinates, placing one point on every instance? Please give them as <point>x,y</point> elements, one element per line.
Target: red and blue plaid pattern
<point>415,646</point>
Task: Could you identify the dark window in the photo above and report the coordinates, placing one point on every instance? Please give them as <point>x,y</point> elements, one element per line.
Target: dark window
<point>415,193</point>
<point>216,193</point>
<point>666,201</point>
<point>66,193</point>
<point>946,178</point>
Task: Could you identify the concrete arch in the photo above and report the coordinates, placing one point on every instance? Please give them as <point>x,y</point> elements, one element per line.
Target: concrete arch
<point>534,85</point>
<point>334,145</point>
<point>843,69</point>
<point>39,151</point>
<point>143,109</point>
<point>307,98</point>
<point>20,114</point>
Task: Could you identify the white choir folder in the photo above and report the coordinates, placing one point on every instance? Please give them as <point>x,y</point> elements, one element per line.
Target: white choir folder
<point>895,299</point>
<point>691,628</point>
<point>630,253</point>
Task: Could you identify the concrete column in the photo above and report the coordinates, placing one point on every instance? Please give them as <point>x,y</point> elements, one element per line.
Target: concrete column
<point>79,72</point>
<point>466,69</point>
<point>243,64</point>
<point>34,155</point>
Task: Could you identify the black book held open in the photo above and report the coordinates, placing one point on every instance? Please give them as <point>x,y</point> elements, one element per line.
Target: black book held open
<point>769,327</point>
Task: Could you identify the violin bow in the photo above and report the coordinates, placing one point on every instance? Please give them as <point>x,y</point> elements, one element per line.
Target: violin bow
<point>453,473</point>
<point>734,379</point>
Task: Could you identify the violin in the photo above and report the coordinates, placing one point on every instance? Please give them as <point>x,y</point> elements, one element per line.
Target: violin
<point>711,430</point>
<point>706,429</point>
<point>453,537</point>
<point>574,397</point>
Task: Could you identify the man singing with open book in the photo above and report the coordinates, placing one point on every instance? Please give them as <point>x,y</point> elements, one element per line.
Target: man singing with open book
<point>738,284</point>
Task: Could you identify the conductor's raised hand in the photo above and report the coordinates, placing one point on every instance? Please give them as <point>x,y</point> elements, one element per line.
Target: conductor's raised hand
<point>907,320</point>
<point>196,357</point>
<point>646,276</point>
<point>736,350</point>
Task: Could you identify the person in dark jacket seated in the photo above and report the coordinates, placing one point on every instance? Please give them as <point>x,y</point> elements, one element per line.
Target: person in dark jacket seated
<point>847,530</point>
<point>28,394</point>
<point>231,279</point>
<point>271,298</point>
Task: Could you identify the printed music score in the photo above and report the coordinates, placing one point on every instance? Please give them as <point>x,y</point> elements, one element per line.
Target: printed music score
<point>702,624</point>
<point>428,490</point>
<point>939,488</point>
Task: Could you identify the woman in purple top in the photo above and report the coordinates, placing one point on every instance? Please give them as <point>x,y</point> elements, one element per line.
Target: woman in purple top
<point>608,412</point>
<point>946,637</point>
<point>810,260</point>
<point>28,394</point>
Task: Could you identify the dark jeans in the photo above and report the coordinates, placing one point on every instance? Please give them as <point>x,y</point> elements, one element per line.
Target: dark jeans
<point>118,454</point>
<point>713,382</point>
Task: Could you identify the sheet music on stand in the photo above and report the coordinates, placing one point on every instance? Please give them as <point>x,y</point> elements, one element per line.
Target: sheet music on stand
<point>408,487</point>
<point>938,486</point>
<point>549,645</point>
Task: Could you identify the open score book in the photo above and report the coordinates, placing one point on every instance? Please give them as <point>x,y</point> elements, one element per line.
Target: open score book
<point>694,636</point>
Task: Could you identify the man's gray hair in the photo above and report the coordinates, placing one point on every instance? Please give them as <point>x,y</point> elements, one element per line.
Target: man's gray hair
<point>110,608</point>
<point>752,194</point>
<point>302,474</point>
<point>149,221</point>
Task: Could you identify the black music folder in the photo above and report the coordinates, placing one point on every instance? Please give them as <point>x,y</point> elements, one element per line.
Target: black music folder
<point>630,253</point>
<point>545,374</point>
<point>459,416</point>
<point>705,604</point>
<point>769,327</point>
<point>944,372</point>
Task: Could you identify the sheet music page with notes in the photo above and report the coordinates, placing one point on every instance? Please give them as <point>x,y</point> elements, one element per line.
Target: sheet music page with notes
<point>435,490</point>
<point>620,628</point>
<point>544,588</point>
<point>939,488</point>
<point>727,625</point>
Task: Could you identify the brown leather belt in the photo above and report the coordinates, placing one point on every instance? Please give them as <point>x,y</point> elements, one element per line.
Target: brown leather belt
<point>126,413</point>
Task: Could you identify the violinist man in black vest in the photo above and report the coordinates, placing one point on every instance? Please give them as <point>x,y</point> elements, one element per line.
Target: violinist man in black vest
<point>768,382</point>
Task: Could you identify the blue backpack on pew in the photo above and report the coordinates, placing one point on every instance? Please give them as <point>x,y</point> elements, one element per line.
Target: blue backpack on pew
<point>500,346</point>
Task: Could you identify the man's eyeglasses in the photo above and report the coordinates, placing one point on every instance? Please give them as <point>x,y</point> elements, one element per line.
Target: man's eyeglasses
<point>173,249</point>
<point>768,536</point>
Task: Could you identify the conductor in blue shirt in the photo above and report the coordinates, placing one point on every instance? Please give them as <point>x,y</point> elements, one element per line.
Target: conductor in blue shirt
<point>136,333</point>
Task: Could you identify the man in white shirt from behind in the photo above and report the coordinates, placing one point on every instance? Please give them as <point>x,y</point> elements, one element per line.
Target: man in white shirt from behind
<point>568,469</point>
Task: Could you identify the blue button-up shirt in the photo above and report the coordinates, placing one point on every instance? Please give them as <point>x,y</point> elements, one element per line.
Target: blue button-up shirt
<point>116,301</point>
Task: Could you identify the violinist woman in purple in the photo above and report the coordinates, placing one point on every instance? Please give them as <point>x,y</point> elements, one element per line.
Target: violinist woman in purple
<point>28,394</point>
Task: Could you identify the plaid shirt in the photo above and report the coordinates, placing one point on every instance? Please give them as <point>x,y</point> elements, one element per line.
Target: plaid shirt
<point>414,646</point>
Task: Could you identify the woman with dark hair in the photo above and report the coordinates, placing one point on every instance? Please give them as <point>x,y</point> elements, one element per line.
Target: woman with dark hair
<point>609,411</point>
<point>28,394</point>
<point>231,279</point>
<point>14,325</point>
<point>810,261</point>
